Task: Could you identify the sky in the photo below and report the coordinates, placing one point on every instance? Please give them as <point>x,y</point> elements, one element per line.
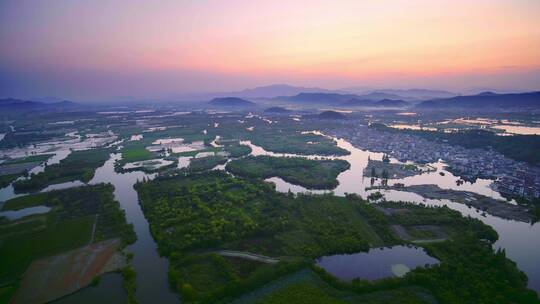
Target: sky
<point>99,50</point>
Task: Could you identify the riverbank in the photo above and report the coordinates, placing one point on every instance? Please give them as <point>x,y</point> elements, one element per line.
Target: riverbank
<point>489,205</point>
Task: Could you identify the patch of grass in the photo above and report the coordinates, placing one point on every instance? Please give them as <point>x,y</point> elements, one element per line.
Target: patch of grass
<point>237,150</point>
<point>67,226</point>
<point>242,267</point>
<point>79,165</point>
<point>417,233</point>
<point>29,159</point>
<point>23,226</point>
<point>8,179</point>
<point>301,293</point>
<point>296,143</point>
<point>6,292</point>
<point>136,153</point>
<point>22,139</point>
<point>402,295</point>
<point>24,202</point>
<point>130,283</point>
<point>205,163</point>
<point>205,273</point>
<point>18,251</point>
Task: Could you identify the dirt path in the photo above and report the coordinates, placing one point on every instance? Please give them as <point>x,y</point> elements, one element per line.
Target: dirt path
<point>248,256</point>
<point>93,230</point>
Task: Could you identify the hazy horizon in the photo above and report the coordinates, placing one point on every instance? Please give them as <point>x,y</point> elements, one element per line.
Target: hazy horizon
<point>88,51</point>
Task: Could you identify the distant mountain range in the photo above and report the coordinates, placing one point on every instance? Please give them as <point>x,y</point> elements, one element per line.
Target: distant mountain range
<point>285,90</point>
<point>376,96</point>
<point>486,100</point>
<point>407,95</point>
<point>11,104</point>
<point>318,98</point>
<point>231,102</point>
<point>384,103</point>
<point>274,90</point>
<point>262,92</point>
<point>346,100</point>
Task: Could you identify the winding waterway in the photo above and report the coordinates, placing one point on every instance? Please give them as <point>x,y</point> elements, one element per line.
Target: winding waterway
<point>152,283</point>
<point>520,240</point>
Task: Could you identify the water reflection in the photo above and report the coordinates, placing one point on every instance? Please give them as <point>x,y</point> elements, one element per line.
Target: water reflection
<point>520,240</point>
<point>377,263</point>
<point>65,185</point>
<point>354,181</point>
<point>109,290</point>
<point>152,283</point>
<point>518,129</point>
<point>17,214</point>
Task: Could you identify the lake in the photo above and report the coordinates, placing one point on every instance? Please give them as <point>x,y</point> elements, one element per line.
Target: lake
<point>377,263</point>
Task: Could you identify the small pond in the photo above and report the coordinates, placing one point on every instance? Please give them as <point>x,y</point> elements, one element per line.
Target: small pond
<point>377,263</point>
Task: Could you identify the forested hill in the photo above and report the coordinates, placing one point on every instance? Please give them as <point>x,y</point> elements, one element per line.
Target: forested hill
<point>12,104</point>
<point>486,100</point>
<point>231,102</point>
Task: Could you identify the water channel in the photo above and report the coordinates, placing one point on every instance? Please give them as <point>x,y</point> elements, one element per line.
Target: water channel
<point>152,282</point>
<point>520,240</point>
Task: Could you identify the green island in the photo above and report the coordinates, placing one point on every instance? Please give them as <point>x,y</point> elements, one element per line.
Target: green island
<point>78,219</point>
<point>7,179</point>
<point>12,169</point>
<point>28,159</point>
<point>205,163</point>
<point>28,137</point>
<point>136,151</point>
<point>312,174</point>
<point>79,165</point>
<point>228,239</point>
<point>296,143</point>
<point>236,150</point>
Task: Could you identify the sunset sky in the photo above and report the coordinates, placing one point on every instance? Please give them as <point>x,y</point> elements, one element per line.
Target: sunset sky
<point>100,49</point>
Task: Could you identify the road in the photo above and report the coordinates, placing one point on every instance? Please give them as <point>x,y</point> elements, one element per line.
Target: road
<point>248,256</point>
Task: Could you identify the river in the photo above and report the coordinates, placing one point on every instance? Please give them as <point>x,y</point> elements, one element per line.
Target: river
<point>521,241</point>
<point>152,281</point>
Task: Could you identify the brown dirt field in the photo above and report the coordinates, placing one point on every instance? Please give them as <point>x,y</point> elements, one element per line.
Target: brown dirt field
<point>56,276</point>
